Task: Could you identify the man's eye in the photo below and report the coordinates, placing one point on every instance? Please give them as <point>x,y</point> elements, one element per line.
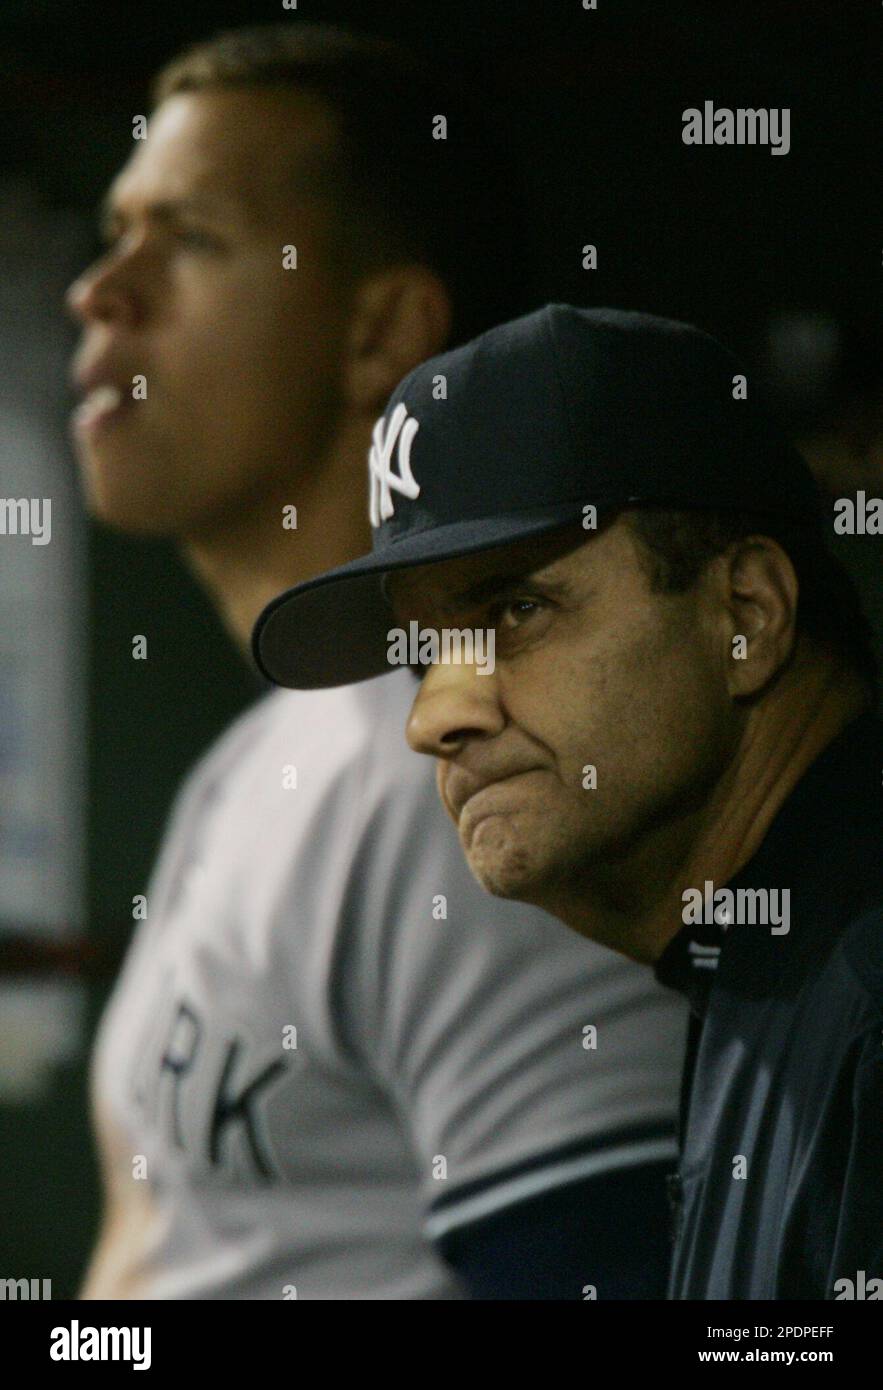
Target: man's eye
<point>196,240</point>
<point>515,612</point>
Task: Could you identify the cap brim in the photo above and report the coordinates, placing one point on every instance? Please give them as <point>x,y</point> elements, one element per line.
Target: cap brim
<point>332,630</point>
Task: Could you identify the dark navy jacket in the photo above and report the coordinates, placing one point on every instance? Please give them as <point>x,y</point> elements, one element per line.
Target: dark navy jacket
<point>780,1189</point>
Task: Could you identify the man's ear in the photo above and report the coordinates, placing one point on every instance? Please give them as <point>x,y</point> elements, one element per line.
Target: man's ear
<point>760,592</point>
<point>400,316</point>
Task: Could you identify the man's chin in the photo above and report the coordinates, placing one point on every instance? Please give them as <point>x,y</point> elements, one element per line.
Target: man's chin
<point>501,864</point>
<point>136,511</point>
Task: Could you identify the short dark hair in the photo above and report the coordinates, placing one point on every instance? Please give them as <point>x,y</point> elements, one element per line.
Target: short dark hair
<point>676,546</point>
<point>452,204</point>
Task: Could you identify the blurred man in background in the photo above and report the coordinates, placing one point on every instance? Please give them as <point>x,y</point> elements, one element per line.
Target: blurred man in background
<point>333,1067</point>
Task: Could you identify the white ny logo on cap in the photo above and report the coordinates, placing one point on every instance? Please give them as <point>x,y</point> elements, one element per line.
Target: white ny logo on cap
<point>401,431</point>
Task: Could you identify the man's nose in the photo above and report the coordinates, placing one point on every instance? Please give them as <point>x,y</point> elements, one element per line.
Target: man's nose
<point>454,703</point>
<point>104,293</point>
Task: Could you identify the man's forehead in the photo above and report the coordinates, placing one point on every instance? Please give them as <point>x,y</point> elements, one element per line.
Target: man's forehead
<point>232,150</point>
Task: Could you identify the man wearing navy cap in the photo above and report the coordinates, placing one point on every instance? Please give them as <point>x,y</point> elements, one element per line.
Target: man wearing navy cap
<point>674,750</point>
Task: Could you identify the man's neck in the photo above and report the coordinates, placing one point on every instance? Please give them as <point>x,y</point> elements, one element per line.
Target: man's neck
<point>245,561</point>
<point>637,907</point>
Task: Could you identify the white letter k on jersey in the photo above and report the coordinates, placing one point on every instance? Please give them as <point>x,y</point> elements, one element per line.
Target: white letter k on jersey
<point>401,431</point>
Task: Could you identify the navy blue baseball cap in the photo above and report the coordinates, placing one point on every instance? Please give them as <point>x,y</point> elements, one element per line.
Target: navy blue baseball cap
<point>513,435</point>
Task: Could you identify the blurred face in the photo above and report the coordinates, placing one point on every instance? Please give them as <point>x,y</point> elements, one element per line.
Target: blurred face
<point>240,357</point>
<point>592,669</point>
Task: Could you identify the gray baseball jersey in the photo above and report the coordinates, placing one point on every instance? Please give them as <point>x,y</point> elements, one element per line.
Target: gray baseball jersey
<point>325,1029</point>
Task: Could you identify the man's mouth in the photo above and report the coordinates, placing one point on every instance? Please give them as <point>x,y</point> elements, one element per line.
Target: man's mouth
<point>100,408</point>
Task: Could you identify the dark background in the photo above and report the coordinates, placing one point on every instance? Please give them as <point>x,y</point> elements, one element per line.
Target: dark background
<point>590,106</point>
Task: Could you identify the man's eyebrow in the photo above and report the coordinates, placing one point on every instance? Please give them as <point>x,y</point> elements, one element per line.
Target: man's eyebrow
<point>503,584</point>
<point>495,586</point>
